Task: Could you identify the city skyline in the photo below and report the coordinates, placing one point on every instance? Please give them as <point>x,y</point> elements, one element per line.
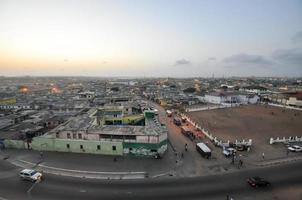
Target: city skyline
<point>151,38</point>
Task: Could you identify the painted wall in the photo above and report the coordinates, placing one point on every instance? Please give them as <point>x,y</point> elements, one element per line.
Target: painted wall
<point>145,149</point>
<point>15,144</point>
<point>91,147</point>
<point>51,144</point>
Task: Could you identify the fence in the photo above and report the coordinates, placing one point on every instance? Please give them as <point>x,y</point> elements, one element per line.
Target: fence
<point>220,106</point>
<point>284,106</point>
<point>285,140</point>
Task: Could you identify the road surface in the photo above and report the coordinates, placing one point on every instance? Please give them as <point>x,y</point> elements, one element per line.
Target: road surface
<point>286,184</point>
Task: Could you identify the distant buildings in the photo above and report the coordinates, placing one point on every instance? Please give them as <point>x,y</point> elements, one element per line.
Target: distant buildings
<point>111,116</point>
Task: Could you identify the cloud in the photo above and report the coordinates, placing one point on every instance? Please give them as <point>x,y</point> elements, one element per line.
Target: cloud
<point>288,56</point>
<point>297,38</point>
<point>212,58</point>
<point>182,62</point>
<point>247,59</point>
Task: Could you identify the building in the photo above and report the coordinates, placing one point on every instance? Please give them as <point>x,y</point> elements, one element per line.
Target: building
<point>295,99</point>
<point>111,130</point>
<point>230,97</point>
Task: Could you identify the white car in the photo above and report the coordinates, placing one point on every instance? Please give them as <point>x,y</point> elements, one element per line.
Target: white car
<point>228,151</point>
<point>31,175</point>
<point>295,148</point>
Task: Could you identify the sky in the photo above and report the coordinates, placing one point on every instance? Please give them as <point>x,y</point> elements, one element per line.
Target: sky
<point>154,38</point>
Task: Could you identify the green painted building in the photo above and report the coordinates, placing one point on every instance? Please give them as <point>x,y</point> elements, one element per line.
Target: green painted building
<point>83,134</point>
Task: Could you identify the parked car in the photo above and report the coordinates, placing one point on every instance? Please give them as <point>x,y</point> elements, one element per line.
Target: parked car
<point>295,148</point>
<point>204,150</point>
<point>241,147</point>
<point>258,182</point>
<point>31,175</point>
<point>169,113</point>
<point>228,151</point>
<point>176,121</point>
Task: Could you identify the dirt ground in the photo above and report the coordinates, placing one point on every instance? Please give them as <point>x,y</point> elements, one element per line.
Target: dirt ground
<point>256,122</point>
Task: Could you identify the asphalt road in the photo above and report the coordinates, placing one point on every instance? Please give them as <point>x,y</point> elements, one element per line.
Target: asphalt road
<point>286,184</point>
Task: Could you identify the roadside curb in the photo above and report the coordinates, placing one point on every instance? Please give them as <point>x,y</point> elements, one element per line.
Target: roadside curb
<point>279,161</point>
<point>79,173</point>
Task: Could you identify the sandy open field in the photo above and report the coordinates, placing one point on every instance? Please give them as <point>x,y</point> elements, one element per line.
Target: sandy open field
<point>256,122</point>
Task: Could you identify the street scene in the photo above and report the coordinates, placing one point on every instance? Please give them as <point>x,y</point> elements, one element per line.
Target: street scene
<point>150,99</point>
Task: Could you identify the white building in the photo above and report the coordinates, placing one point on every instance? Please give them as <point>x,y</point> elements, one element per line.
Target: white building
<point>294,101</point>
<point>222,98</point>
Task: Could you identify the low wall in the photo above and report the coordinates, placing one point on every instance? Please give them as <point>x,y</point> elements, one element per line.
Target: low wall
<point>285,140</point>
<point>219,106</point>
<point>283,106</point>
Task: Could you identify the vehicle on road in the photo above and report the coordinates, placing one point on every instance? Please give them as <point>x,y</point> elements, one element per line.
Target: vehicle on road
<point>31,175</point>
<point>227,152</point>
<point>204,150</point>
<point>295,148</point>
<point>258,182</point>
<point>176,121</point>
<point>169,113</point>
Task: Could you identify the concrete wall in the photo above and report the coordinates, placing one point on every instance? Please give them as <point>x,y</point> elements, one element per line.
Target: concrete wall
<point>91,147</point>
<point>15,144</point>
<point>145,149</point>
<point>51,144</point>
<point>294,101</point>
<point>213,99</point>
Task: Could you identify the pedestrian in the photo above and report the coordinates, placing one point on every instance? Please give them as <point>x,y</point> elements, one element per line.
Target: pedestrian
<point>240,163</point>
<point>186,147</point>
<point>263,155</point>
<point>41,154</point>
<point>287,152</point>
<point>182,155</point>
<point>233,158</point>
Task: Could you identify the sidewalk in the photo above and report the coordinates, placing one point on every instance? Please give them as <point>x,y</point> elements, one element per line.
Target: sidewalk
<point>92,166</point>
<point>278,161</point>
<point>79,173</point>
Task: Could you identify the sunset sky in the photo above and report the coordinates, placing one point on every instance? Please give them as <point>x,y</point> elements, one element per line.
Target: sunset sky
<point>151,38</point>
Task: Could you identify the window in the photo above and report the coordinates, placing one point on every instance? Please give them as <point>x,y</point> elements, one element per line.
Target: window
<point>68,135</point>
<point>113,148</point>
<point>130,137</point>
<point>74,136</point>
<point>80,136</point>
<point>81,146</point>
<point>68,146</point>
<point>99,147</point>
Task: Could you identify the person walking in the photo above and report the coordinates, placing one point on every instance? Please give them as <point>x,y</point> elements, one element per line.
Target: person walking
<point>186,147</point>
<point>287,152</point>
<point>263,155</point>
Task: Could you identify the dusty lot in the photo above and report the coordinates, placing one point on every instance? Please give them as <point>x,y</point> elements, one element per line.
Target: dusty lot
<point>256,122</point>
